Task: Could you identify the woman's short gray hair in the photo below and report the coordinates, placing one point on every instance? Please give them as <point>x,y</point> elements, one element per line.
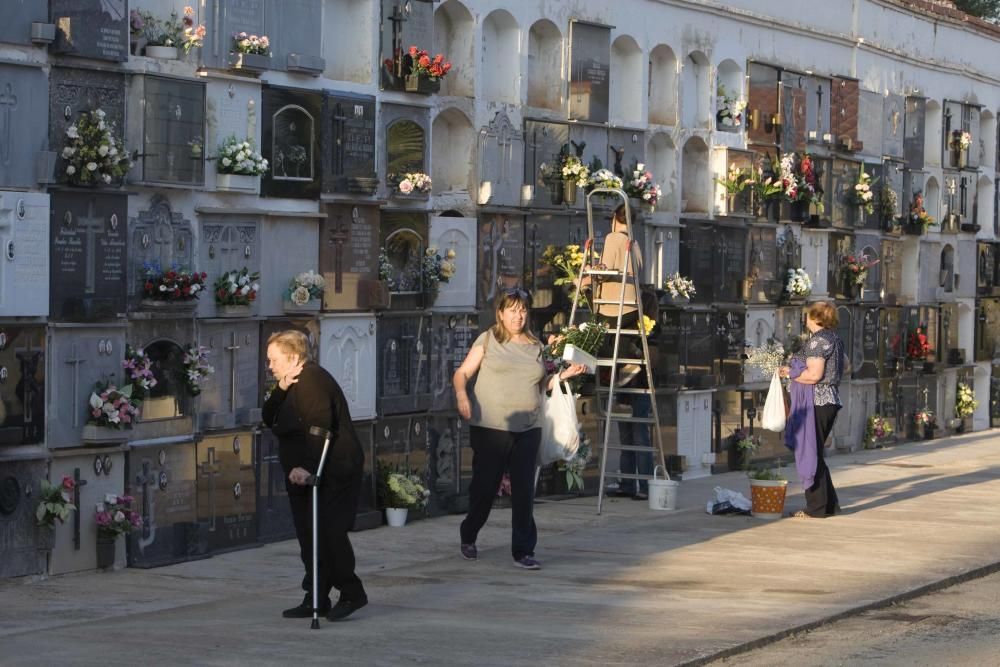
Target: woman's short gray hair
<point>291,341</point>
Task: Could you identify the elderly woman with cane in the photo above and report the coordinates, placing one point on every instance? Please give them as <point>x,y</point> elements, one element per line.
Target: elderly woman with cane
<point>504,411</point>
<point>815,373</point>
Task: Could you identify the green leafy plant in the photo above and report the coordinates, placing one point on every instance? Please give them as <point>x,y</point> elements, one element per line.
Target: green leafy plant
<point>54,504</point>
<point>236,288</point>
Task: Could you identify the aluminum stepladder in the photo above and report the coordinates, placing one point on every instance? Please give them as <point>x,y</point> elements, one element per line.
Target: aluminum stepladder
<point>606,413</point>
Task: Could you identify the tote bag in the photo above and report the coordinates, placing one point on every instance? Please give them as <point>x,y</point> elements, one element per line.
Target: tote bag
<point>560,426</point>
<point>773,418</point>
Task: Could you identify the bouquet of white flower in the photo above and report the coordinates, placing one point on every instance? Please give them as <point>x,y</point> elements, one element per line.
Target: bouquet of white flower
<point>92,153</point>
<point>798,283</point>
<point>305,286</point>
<point>603,178</point>
<point>240,157</point>
<point>679,286</point>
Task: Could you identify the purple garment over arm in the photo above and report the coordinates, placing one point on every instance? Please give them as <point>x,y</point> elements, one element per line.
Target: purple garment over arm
<point>800,429</point>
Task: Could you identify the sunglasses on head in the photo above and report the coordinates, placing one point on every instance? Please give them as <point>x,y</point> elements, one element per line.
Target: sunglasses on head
<point>518,292</point>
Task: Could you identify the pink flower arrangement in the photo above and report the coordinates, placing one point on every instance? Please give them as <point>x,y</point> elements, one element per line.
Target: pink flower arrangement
<point>115,516</point>
<point>415,182</point>
<point>641,185</point>
<point>244,43</point>
<point>113,407</point>
<point>139,370</point>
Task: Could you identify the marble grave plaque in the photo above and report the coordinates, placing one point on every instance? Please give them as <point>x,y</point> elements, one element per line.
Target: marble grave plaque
<point>457,235</point>
<point>24,242</point>
<point>226,243</point>
<point>229,397</point>
<point>870,114</point>
<point>452,336</point>
<point>893,121</point>
<point>589,72</point>
<point>501,259</point>
<point>501,161</point>
<point>844,109</point>
<point>274,513</point>
<point>404,362</point>
<point>349,138</point>
<point>95,29</point>
<point>763,107</point>
<point>914,131</point>
<point>23,129</point>
<point>73,91</point>
<point>171,130</point>
<point>403,24</point>
<point>227,490</point>
<point>348,255</point>
<point>543,142</point>
<point>22,384</point>
<point>159,236</point>
<point>295,29</point>
<point>347,349</point>
<point>20,484</point>
<point>290,140</point>
<point>18,17</point>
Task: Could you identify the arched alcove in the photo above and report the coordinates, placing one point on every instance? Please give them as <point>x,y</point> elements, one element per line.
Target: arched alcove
<point>405,150</point>
<point>454,37</point>
<point>545,60</point>
<point>932,133</point>
<point>293,144</point>
<point>729,97</point>
<point>663,86</point>
<point>695,90</point>
<point>983,213</point>
<point>404,249</point>
<point>626,80</point>
<point>170,396</point>
<point>453,149</point>
<point>661,159</point>
<point>501,63</point>
<point>348,40</point>
<point>695,183</point>
<point>932,198</point>
<point>988,139</point>
<point>946,279</point>
<point>873,277</point>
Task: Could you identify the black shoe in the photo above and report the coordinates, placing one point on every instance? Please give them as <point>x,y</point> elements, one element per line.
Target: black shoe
<point>305,610</point>
<point>345,608</point>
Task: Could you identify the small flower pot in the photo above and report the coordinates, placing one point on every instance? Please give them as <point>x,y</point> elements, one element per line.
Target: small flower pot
<point>311,306</point>
<point>162,52</point>
<point>555,193</point>
<point>569,190</point>
<point>928,431</point>
<point>46,538</point>
<point>105,551</point>
<point>423,85</point>
<point>102,435</point>
<point>396,516</point>
<point>253,63</point>
<point>232,311</point>
<point>677,300</point>
<point>237,183</point>
<point>767,497</point>
<point>158,306</point>
<point>913,230</point>
<point>969,227</point>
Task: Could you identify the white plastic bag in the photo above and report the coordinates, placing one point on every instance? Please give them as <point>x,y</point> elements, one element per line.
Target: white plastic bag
<point>560,426</point>
<point>773,418</point>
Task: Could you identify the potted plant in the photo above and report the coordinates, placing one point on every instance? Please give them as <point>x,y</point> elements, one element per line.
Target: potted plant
<point>641,188</point>
<point>235,291</point>
<point>798,285</point>
<point>400,490</point>
<point>735,183</point>
<point>767,485</point>
<point>238,166</point>
<point>196,368</point>
<point>919,219</point>
<point>138,369</point>
<point>679,289</point>
<point>93,155</point>
<point>925,422</point>
<point>112,410</point>
<point>305,293</point>
<point>959,143</point>
<point>251,53</point>
<point>918,347</point>
<point>164,37</point>
<point>114,517</point>
<point>414,184</point>
<point>878,430</point>
<point>766,189</point>
<point>174,290</point>
<point>801,187</point>
<point>886,209</point>
<point>425,73</point>
<point>577,344</point>
<point>53,505</point>
<point>965,405</point>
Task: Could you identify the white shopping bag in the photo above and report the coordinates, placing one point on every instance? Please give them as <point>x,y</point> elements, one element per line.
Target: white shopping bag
<point>560,426</point>
<point>773,418</point>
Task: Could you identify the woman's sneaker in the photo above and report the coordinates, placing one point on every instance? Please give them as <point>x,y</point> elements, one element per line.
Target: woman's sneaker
<point>527,563</point>
<point>469,552</point>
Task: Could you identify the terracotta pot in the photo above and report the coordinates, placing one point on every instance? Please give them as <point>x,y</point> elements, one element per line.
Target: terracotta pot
<point>768,497</point>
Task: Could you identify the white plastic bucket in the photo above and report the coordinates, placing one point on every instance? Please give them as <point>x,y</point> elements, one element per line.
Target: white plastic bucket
<point>662,492</point>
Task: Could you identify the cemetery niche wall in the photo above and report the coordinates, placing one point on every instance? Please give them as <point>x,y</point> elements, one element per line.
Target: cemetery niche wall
<point>349,144</point>
<point>95,29</point>
<point>348,258</point>
<point>229,397</point>
<point>23,546</point>
<point>226,486</point>
<point>24,241</point>
<point>24,90</point>
<point>167,128</point>
<point>22,384</point>
<point>291,142</point>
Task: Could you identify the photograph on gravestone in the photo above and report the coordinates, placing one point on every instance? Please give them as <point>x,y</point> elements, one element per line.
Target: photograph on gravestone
<point>844,108</point>
<point>88,255</point>
<point>349,140</point>
<point>818,100</point>
<point>404,362</point>
<point>793,111</point>
<point>227,490</point>
<point>173,131</point>
<point>290,140</point>
<point>448,440</point>
<point>74,91</point>
<point>502,162</point>
<point>230,396</point>
<point>914,131</point>
<point>893,120</point>
<point>24,93</point>
<point>402,247</point>
<point>454,239</point>
<point>20,539</point>
<point>348,256</point>
<point>590,69</point>
<point>22,384</point>
<point>223,19</point>
<point>81,356</point>
<point>294,28</point>
<point>347,349</point>
<point>501,259</point>
<point>24,273</point>
<point>226,243</point>
<point>766,281</point>
<point>451,339</point>
<point>404,23</point>
<point>763,110</point>
<point>698,259</point>
<point>730,329</point>
<point>543,142</point>
<point>95,29</point>
<point>274,513</point>
<point>160,240</point>
<point>162,480</point>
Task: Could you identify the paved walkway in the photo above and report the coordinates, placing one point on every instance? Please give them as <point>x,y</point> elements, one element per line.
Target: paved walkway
<point>630,587</point>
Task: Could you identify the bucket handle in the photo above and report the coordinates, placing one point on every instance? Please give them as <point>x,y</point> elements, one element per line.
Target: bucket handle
<point>659,467</point>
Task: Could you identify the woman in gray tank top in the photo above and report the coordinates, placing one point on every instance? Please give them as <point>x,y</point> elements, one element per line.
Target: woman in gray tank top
<point>503,410</point>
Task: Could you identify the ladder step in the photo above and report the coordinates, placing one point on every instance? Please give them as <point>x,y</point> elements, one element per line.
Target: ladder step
<point>608,362</point>
<point>625,332</point>
<point>602,272</point>
<point>627,475</point>
<point>622,417</point>
<point>613,302</point>
<point>632,448</point>
<point>624,390</point>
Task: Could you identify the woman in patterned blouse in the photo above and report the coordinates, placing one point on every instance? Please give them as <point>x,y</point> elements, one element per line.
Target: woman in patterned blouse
<point>825,361</point>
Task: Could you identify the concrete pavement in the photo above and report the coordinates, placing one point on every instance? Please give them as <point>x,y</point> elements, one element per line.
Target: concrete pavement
<point>629,587</point>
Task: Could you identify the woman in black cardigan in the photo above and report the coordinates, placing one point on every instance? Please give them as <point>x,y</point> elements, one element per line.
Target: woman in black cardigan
<point>307,395</point>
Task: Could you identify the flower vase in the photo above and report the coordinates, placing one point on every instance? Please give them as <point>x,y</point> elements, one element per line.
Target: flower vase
<point>232,311</point>
<point>959,157</point>
<point>253,63</point>
<point>396,516</point>
<point>800,211</point>
<point>162,52</point>
<point>177,306</point>
<point>46,538</point>
<point>928,431</point>
<point>94,434</point>
<point>309,307</point>
<point>236,183</point>
<point>767,497</point>
<point>420,84</point>
<point>961,426</point>
<point>105,551</point>
<point>555,192</point>
<point>569,193</point>
<point>677,300</point>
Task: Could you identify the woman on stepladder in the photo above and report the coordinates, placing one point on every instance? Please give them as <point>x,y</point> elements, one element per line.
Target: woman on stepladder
<point>504,410</point>
<point>819,366</point>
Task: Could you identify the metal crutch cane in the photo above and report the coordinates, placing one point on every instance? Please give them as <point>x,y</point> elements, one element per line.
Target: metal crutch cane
<point>314,481</point>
